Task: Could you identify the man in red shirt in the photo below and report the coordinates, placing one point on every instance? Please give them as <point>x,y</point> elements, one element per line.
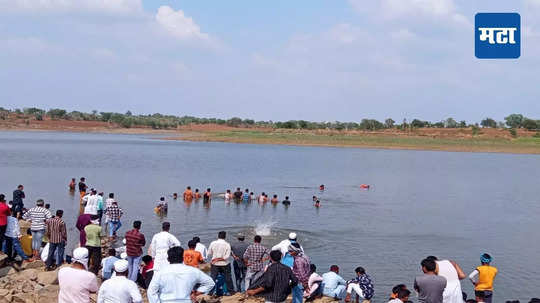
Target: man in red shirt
<point>135,241</point>
<point>4,213</point>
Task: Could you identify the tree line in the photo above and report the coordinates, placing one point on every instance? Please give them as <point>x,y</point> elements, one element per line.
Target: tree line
<point>160,121</point>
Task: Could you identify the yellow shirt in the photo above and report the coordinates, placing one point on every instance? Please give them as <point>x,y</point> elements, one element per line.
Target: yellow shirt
<point>26,244</point>
<point>486,276</point>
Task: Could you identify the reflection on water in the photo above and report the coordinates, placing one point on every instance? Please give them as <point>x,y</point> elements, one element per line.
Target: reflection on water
<point>452,205</point>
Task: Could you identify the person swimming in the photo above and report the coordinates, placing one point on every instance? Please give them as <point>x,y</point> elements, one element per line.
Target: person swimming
<point>317,203</point>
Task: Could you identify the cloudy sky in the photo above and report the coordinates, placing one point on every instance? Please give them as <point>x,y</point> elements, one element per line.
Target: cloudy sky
<point>318,60</point>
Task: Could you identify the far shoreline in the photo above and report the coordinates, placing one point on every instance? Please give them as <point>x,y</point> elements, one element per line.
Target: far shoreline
<point>493,141</point>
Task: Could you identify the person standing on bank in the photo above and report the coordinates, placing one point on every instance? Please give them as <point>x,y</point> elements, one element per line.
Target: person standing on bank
<point>18,204</point>
<point>135,241</point>
<point>57,234</point>
<point>220,250</point>
<point>37,216</point>
<point>238,249</point>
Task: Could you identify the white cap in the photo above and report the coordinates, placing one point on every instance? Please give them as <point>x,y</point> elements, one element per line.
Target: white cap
<point>80,255</point>
<point>124,241</point>
<point>120,266</point>
<point>123,256</point>
<point>292,236</point>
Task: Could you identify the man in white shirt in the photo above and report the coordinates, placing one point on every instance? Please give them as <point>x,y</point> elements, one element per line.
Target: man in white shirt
<point>161,242</point>
<point>200,247</point>
<point>119,289</point>
<point>283,246</point>
<point>175,282</point>
<point>91,203</point>
<point>220,250</point>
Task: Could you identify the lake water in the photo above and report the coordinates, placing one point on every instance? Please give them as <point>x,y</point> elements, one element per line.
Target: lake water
<point>452,205</point>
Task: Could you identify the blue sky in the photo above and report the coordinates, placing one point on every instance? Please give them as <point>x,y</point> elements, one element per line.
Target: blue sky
<point>321,60</point>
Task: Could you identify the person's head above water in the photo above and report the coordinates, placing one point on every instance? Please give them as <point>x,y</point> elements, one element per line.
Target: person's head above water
<point>275,196</point>
<point>208,190</point>
<point>286,197</point>
<point>428,266</point>
<point>485,259</point>
<point>166,226</point>
<point>162,199</point>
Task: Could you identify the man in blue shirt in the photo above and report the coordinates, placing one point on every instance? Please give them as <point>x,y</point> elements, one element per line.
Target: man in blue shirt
<point>175,282</point>
<point>334,285</point>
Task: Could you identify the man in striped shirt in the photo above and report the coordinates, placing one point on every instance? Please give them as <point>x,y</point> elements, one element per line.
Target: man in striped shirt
<point>135,241</point>
<point>114,213</point>
<point>56,232</point>
<point>37,216</point>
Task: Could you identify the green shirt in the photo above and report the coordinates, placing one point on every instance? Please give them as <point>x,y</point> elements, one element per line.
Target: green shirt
<point>93,233</point>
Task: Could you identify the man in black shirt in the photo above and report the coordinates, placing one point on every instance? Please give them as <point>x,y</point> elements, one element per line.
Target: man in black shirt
<point>238,195</point>
<point>286,202</point>
<point>276,282</point>
<point>18,204</point>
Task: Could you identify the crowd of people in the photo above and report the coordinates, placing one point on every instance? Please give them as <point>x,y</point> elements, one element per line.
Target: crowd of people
<point>171,273</point>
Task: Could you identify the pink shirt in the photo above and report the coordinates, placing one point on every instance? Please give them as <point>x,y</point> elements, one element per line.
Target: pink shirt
<point>76,285</point>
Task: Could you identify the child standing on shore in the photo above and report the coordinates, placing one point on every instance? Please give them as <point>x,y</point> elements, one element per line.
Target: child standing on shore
<point>483,286</point>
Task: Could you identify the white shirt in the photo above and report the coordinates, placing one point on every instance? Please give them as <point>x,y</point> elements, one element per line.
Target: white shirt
<point>161,242</point>
<point>202,249</point>
<point>220,249</point>
<point>175,282</point>
<point>396,300</point>
<point>283,246</point>
<point>91,204</point>
<point>227,197</point>
<point>119,289</point>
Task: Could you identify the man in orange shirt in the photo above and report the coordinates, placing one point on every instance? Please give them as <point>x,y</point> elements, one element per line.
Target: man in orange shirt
<point>188,194</point>
<point>191,256</point>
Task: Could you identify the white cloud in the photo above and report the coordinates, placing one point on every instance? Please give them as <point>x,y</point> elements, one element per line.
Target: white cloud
<point>67,6</point>
<point>396,8</point>
<point>179,25</point>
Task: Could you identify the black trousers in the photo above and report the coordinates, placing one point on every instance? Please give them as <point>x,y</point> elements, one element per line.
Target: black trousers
<point>94,258</point>
<point>239,274</point>
<point>2,235</point>
<point>226,271</point>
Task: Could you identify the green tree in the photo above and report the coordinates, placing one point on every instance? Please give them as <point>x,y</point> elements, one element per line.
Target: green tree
<point>514,120</point>
<point>450,123</point>
<point>389,123</point>
<point>56,113</point>
<point>488,122</point>
<point>530,124</point>
<point>234,122</point>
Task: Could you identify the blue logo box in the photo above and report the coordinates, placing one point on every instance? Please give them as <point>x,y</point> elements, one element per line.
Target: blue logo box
<point>497,35</point>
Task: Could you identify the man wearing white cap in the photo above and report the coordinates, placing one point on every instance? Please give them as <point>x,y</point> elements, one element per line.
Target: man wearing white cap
<point>283,246</point>
<point>119,289</point>
<point>76,282</point>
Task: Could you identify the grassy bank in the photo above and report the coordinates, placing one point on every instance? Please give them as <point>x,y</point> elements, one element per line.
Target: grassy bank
<point>524,145</point>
